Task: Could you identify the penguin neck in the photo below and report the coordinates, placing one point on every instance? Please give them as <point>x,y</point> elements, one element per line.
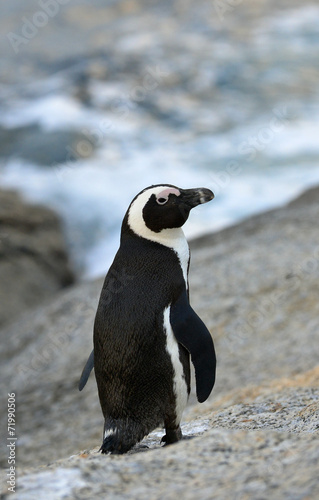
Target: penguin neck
<point>172,238</point>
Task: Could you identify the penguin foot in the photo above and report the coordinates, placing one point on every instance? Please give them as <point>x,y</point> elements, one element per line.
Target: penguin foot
<point>113,445</point>
<point>172,436</point>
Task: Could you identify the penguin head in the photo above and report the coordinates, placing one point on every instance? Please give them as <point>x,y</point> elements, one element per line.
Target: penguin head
<point>163,209</point>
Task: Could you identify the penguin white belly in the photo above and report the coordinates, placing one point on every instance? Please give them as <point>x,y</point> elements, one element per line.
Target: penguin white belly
<point>179,382</point>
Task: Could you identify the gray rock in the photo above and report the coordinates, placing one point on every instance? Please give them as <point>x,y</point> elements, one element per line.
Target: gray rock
<point>219,463</point>
<point>43,147</point>
<point>256,287</point>
<point>264,272</point>
<point>33,260</point>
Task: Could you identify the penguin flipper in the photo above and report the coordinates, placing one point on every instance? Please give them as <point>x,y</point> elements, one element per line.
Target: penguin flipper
<point>86,371</point>
<point>191,332</point>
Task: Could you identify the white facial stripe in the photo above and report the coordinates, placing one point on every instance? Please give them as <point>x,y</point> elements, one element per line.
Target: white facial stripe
<point>172,238</point>
<point>135,215</point>
<point>179,382</point>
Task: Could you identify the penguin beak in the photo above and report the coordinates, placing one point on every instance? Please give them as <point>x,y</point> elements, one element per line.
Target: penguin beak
<point>193,197</point>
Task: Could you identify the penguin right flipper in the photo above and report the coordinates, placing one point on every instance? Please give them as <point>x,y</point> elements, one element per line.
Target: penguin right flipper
<point>191,332</point>
<point>86,371</point>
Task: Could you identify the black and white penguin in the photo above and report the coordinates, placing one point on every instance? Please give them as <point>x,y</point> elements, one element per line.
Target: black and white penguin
<point>145,331</point>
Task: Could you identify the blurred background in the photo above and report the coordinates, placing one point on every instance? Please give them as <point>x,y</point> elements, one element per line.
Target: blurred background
<point>101,98</point>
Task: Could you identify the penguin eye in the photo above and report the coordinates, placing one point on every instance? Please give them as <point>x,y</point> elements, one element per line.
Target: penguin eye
<point>162,201</point>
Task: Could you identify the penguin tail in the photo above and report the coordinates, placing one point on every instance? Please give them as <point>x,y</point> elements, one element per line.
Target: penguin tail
<point>120,436</point>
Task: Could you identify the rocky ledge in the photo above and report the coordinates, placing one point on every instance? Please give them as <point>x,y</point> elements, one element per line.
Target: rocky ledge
<point>256,287</point>
<point>33,257</point>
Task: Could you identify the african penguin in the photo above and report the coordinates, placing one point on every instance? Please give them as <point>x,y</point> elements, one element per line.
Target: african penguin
<point>145,331</point>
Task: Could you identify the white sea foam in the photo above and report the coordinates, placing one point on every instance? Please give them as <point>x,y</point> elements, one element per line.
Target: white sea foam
<point>260,163</point>
<point>92,200</point>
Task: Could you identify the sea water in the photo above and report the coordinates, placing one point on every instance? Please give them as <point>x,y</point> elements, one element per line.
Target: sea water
<point>259,159</point>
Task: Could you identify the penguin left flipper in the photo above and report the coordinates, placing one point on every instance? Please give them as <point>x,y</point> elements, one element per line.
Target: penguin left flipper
<point>191,332</point>
<point>86,371</point>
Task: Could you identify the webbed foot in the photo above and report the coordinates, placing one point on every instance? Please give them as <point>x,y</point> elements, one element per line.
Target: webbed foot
<point>172,436</point>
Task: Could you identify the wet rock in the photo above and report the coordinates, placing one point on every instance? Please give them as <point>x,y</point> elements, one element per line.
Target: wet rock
<point>43,147</point>
<point>33,260</point>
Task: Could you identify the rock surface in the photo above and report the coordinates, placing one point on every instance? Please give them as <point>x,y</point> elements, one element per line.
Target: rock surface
<point>42,147</point>
<point>33,258</point>
<point>256,287</point>
<point>247,459</point>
